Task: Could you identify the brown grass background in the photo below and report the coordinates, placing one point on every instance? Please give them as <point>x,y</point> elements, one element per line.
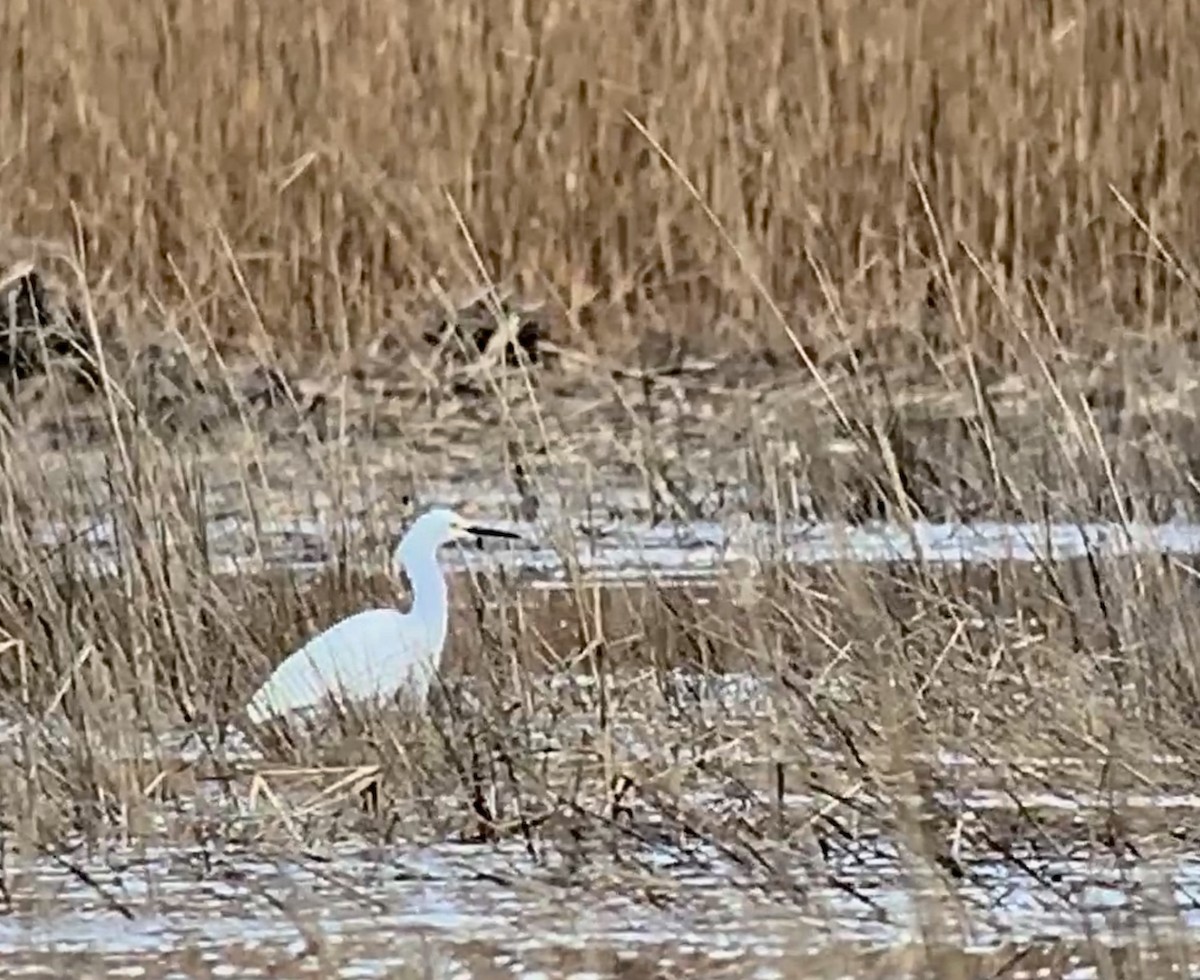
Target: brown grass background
<point>917,183</point>
<point>281,173</point>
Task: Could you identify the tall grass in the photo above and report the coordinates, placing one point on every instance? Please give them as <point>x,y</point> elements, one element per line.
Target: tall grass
<point>933,185</point>
<point>600,739</point>
<point>283,175</point>
<point>875,667</point>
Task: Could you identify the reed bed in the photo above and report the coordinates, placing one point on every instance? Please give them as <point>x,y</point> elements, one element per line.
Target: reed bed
<point>903,178</point>
<point>831,262</point>
<point>788,726</point>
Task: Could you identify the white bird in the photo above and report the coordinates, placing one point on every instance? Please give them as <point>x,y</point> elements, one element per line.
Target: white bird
<point>374,654</point>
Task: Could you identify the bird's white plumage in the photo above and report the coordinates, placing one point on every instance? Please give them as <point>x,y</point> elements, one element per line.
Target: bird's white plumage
<point>350,661</point>
<point>373,655</point>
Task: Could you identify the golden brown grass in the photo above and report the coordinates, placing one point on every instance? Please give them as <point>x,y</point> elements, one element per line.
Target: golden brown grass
<point>286,182</point>
<point>283,177</point>
<point>594,750</point>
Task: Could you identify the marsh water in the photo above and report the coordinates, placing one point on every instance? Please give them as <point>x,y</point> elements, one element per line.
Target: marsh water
<point>153,905</point>
<point>230,907</point>
<point>471,910</point>
<point>629,549</point>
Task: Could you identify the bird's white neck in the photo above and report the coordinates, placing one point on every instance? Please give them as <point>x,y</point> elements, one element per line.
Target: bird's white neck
<point>430,595</point>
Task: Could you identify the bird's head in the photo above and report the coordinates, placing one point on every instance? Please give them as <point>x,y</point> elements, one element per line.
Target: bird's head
<point>442,525</point>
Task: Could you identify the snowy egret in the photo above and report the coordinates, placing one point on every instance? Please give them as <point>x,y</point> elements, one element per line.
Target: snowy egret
<point>374,654</point>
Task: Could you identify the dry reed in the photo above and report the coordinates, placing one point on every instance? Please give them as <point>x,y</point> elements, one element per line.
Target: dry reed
<point>604,733</point>
<point>283,178</point>
<point>938,202</point>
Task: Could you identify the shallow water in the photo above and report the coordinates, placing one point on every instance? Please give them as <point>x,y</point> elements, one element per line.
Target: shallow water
<point>238,909</point>
<point>370,910</point>
<point>632,550</point>
<point>238,904</point>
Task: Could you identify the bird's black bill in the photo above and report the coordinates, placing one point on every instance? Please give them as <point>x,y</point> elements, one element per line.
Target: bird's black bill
<point>488,532</point>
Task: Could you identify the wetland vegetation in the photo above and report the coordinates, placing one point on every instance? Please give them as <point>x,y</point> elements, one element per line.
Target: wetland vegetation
<point>838,359</point>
